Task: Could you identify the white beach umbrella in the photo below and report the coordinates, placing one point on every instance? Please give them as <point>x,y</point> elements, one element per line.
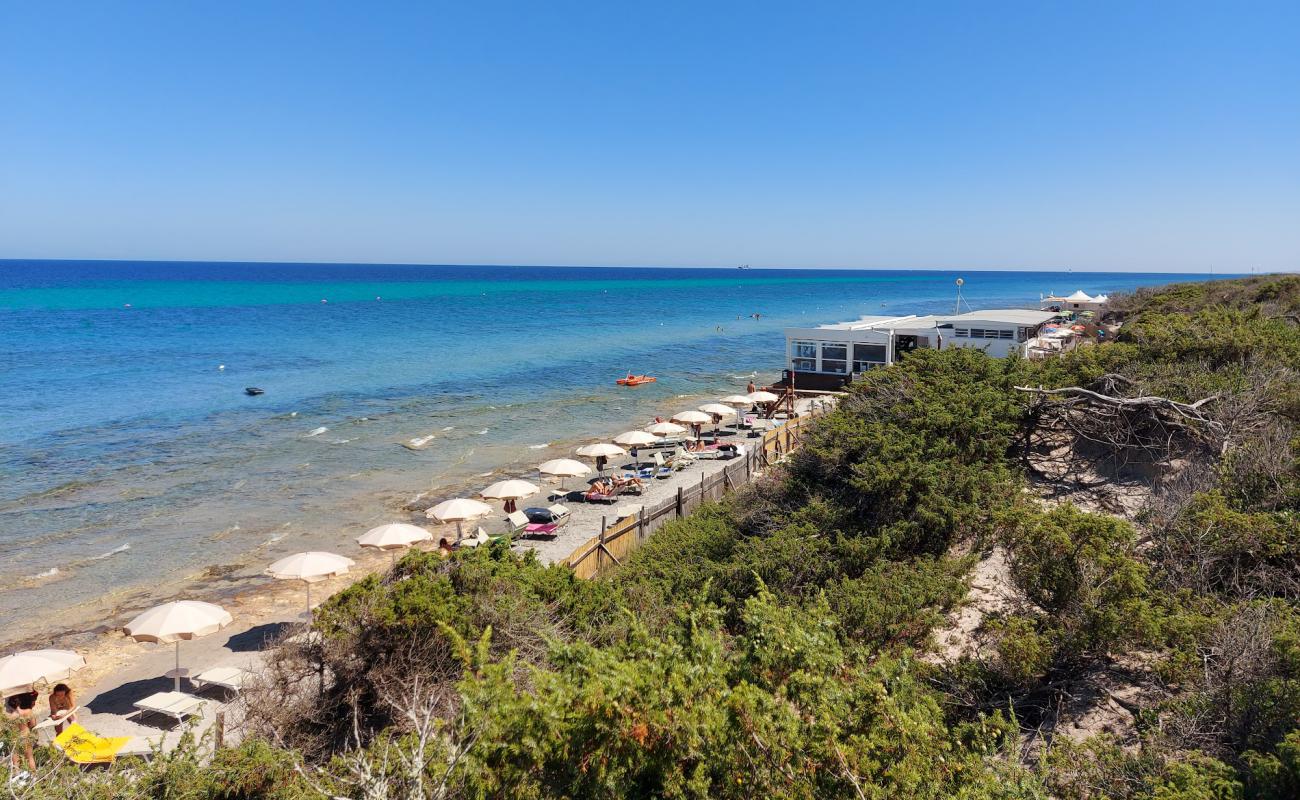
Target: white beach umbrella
<point>393,537</point>
<point>458,510</point>
<point>563,468</point>
<point>763,397</point>
<point>716,411</point>
<point>718,408</point>
<point>636,438</point>
<point>509,491</point>
<point>601,449</point>
<point>692,417</point>
<point>174,622</point>
<point>740,401</point>
<point>310,567</point>
<point>513,489</point>
<point>665,428</point>
<point>21,671</point>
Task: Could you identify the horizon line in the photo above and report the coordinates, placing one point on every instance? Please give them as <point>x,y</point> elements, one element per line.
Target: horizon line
<point>1087,271</point>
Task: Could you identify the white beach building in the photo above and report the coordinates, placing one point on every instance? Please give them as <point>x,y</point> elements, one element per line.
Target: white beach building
<point>827,356</point>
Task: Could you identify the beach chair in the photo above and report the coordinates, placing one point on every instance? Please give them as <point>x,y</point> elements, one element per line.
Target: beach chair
<point>593,496</point>
<point>517,522</point>
<point>231,679</point>
<point>662,469</point>
<point>546,522</point>
<point>480,537</point>
<point>560,514</point>
<point>177,705</point>
<point>80,746</point>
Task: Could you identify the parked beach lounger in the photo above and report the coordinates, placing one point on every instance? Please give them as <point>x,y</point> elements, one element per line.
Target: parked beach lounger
<point>517,521</point>
<point>480,537</point>
<point>545,522</point>
<point>596,497</point>
<point>176,705</point>
<point>662,469</point>
<point>80,746</point>
<point>228,678</point>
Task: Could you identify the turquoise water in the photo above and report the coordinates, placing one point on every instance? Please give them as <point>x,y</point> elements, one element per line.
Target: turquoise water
<point>133,466</point>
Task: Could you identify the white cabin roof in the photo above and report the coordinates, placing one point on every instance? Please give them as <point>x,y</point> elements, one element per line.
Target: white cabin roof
<point>912,322</point>
<point>1005,316</point>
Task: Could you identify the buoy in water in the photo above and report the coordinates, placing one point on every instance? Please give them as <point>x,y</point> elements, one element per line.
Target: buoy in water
<point>253,391</point>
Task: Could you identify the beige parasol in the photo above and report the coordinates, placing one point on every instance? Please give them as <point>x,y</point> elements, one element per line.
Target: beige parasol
<point>393,537</point>
<point>176,621</point>
<point>311,567</point>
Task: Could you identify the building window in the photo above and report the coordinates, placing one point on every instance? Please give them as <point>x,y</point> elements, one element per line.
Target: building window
<point>805,350</point>
<point>961,333</point>
<point>833,366</point>
<point>863,366</point>
<point>1022,334</point>
<point>1006,334</point>
<point>868,352</point>
<point>836,352</point>
<point>804,364</point>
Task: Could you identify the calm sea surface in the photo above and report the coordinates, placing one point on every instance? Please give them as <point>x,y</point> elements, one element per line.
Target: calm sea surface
<point>133,466</point>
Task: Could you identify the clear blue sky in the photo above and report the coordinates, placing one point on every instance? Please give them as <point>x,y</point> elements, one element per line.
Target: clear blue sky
<point>1039,134</point>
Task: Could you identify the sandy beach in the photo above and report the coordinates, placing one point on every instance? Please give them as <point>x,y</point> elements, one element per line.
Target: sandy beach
<point>121,671</point>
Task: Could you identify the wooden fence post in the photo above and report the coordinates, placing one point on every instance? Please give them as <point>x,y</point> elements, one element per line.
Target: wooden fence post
<point>640,524</point>
<point>219,730</point>
<point>600,547</point>
<point>679,502</point>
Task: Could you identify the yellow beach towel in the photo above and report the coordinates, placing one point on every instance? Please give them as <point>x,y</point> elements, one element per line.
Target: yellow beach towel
<point>83,747</point>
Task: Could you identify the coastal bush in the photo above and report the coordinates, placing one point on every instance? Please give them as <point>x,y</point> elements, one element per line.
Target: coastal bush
<point>1082,570</point>
<point>775,710</point>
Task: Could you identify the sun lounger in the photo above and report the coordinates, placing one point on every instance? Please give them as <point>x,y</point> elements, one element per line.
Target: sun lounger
<point>51,721</point>
<point>229,678</point>
<point>176,705</point>
<point>596,497</point>
<point>480,537</point>
<point>517,521</point>
<point>545,522</point>
<point>662,470</point>
<point>80,746</point>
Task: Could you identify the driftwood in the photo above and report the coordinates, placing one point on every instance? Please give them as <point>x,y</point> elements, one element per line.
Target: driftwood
<point>1081,439</point>
<point>1189,411</point>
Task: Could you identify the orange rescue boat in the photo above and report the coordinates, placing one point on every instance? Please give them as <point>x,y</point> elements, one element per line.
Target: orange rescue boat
<point>635,380</point>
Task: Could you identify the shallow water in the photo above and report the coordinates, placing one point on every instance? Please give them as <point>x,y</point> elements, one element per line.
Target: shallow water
<point>133,466</point>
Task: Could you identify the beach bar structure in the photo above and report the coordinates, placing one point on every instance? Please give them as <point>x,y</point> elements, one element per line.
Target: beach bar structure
<point>828,356</point>
<point>1073,303</point>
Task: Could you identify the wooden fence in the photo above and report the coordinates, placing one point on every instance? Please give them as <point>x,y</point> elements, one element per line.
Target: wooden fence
<point>617,540</point>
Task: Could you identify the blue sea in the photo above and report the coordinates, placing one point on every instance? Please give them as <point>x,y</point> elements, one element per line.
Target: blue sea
<point>134,467</point>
